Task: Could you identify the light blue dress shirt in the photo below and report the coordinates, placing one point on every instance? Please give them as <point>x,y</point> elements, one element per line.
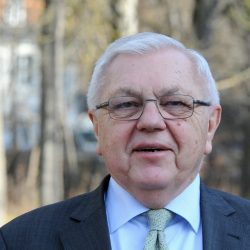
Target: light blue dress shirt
<point>128,227</point>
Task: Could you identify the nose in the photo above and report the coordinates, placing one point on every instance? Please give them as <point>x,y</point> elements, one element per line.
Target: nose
<point>151,119</point>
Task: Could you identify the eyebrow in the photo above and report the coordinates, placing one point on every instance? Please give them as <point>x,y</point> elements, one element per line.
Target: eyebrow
<point>168,91</point>
<point>125,91</point>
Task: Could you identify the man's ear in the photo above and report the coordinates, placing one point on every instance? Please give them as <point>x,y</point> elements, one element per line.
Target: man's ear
<point>214,121</point>
<point>94,121</point>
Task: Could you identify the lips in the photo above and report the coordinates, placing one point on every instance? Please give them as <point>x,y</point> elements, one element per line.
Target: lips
<point>149,148</point>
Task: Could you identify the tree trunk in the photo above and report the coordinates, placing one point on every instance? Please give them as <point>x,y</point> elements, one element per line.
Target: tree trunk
<point>52,143</point>
<point>180,18</point>
<point>3,174</point>
<point>126,17</point>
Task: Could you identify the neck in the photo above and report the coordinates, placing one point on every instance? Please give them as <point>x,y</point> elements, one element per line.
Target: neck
<point>154,199</point>
<point>157,198</point>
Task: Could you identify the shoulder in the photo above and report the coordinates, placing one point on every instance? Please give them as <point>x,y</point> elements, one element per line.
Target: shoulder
<point>44,224</point>
<point>45,218</point>
<point>231,198</point>
<point>63,209</point>
<point>226,201</point>
<point>38,226</point>
<point>46,213</point>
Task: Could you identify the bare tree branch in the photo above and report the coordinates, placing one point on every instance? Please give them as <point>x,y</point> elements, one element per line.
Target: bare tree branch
<point>234,80</point>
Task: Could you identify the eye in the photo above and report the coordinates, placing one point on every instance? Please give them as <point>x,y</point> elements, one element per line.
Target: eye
<point>126,105</point>
<point>122,103</point>
<point>175,102</point>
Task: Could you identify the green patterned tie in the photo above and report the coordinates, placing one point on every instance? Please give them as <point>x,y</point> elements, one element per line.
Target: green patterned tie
<point>158,219</point>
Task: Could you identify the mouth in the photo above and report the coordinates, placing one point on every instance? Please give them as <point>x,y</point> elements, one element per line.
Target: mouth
<point>149,149</point>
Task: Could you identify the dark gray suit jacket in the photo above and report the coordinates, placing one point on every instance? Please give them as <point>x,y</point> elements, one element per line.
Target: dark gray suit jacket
<point>81,223</point>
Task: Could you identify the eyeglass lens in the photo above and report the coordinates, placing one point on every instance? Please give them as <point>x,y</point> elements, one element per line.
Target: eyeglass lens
<point>169,106</point>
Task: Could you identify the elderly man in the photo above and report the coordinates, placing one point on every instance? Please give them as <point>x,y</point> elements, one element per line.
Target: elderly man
<point>155,108</point>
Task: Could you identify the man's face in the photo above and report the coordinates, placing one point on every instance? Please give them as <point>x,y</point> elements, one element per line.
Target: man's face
<point>183,143</point>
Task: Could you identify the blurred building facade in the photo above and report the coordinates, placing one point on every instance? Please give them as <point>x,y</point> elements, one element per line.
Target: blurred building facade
<point>20,74</point>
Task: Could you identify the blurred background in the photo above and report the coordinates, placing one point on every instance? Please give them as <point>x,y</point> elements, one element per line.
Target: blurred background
<point>47,52</point>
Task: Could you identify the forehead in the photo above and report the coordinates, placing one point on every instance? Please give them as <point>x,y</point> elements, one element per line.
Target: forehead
<point>164,71</point>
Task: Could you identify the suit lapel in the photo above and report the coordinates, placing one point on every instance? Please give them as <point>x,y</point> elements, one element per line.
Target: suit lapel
<point>221,226</point>
<point>87,226</point>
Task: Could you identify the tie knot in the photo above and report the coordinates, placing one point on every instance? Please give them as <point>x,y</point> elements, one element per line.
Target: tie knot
<point>158,218</point>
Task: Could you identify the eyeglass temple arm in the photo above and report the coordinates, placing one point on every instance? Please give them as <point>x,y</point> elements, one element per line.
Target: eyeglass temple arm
<point>202,103</point>
<point>102,105</point>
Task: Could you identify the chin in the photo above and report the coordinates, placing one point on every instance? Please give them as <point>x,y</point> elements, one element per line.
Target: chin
<point>150,183</point>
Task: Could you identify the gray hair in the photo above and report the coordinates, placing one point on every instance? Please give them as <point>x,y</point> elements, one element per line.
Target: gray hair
<point>143,43</point>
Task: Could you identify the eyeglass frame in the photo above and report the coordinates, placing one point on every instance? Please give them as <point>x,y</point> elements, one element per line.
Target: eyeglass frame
<point>105,105</point>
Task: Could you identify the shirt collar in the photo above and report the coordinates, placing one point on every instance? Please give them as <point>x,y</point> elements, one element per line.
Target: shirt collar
<point>121,206</point>
<point>187,204</point>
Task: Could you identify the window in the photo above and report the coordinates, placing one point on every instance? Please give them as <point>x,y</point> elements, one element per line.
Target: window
<point>15,13</point>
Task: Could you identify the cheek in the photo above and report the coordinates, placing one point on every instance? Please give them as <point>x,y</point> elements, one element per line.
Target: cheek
<point>181,132</point>
<point>112,139</point>
<point>188,136</point>
<point>190,150</point>
<point>199,128</point>
<point>103,139</point>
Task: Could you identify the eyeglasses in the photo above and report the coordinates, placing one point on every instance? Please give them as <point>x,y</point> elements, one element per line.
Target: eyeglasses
<point>170,107</point>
